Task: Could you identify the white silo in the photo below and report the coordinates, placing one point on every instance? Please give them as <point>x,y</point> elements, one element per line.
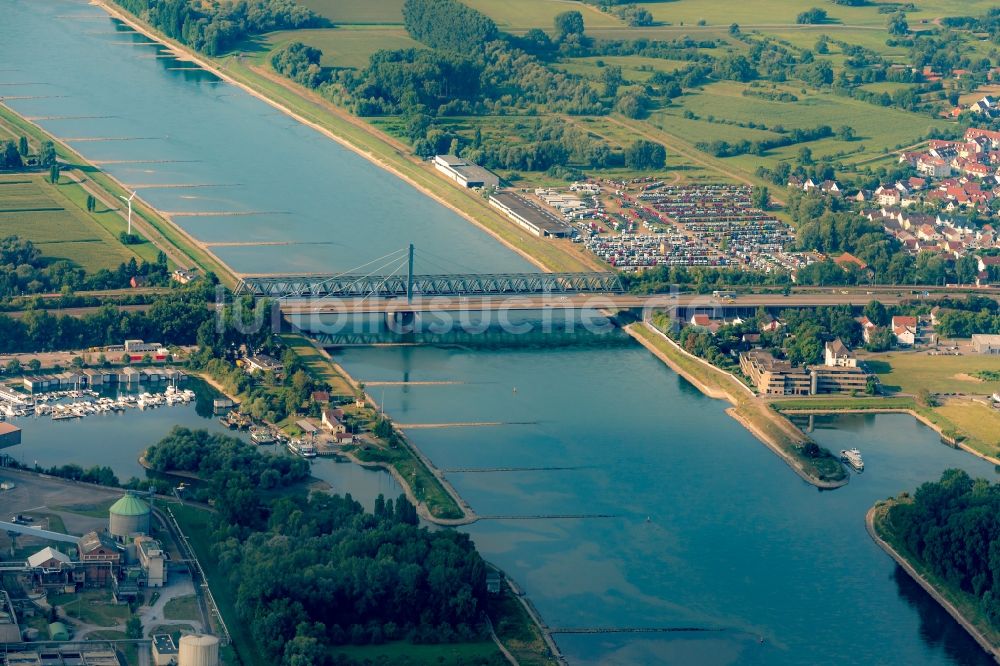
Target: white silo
<point>198,650</point>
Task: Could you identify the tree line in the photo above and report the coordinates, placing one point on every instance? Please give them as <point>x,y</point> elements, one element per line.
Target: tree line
<point>15,155</point>
<point>172,319</point>
<point>24,271</point>
<point>952,527</point>
<point>214,28</point>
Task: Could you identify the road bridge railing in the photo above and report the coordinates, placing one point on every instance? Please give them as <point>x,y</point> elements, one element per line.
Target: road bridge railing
<point>401,286</point>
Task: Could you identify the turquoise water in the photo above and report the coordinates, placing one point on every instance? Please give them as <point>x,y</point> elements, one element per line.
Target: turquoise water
<point>90,77</point>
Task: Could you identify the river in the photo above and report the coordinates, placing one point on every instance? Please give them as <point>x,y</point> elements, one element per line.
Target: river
<point>153,121</point>
<point>686,520</point>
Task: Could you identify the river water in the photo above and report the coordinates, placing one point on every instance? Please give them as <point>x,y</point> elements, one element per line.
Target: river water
<point>160,122</point>
<point>118,439</point>
<point>682,520</point>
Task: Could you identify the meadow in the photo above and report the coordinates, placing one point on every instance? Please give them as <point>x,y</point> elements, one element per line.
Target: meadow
<point>979,422</point>
<point>358,11</point>
<point>634,68</point>
<point>55,219</point>
<point>522,15</point>
<point>910,371</point>
<point>349,46</point>
<point>772,13</point>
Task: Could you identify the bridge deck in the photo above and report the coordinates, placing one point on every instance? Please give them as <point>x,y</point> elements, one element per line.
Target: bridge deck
<point>499,284</point>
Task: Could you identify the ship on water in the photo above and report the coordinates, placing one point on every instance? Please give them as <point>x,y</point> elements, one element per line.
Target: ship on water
<point>853,458</point>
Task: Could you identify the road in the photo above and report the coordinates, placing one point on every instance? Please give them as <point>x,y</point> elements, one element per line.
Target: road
<point>585,301</point>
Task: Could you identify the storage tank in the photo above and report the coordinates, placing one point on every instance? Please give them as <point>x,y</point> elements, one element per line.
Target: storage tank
<point>198,650</point>
<point>129,515</point>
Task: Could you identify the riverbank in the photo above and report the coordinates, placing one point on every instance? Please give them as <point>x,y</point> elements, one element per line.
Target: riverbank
<point>767,425</point>
<point>181,248</point>
<point>361,138</point>
<point>955,602</point>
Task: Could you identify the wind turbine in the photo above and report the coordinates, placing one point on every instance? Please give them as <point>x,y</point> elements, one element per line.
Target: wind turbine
<point>129,202</point>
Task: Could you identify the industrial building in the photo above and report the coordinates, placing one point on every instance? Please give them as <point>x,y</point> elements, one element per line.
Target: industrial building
<point>164,650</point>
<point>528,216</point>
<point>10,435</point>
<point>10,632</point>
<point>72,655</point>
<point>986,344</point>
<point>129,516</point>
<point>198,650</point>
<point>152,560</point>
<point>464,172</point>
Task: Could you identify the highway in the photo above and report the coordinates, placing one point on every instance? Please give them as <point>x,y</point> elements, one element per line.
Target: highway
<point>582,301</point>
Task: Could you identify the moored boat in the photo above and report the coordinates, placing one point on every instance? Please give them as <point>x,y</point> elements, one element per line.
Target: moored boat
<point>853,458</point>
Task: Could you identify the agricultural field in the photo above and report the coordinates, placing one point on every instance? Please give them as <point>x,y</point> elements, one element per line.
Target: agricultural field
<point>877,130</point>
<point>634,68</point>
<point>721,110</point>
<point>54,218</point>
<point>349,46</point>
<point>776,13</point>
<point>358,11</point>
<point>522,15</point>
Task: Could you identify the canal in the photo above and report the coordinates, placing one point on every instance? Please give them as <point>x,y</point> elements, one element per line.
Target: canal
<point>701,527</point>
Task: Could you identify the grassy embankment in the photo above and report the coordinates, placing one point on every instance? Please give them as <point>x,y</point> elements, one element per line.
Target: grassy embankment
<point>965,604</point>
<point>180,247</point>
<point>518,633</point>
<point>766,424</point>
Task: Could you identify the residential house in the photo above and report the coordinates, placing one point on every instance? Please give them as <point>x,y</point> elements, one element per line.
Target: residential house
<point>935,167</point>
<point>904,330</point>
<point>333,420</point>
<point>262,363</point>
<point>837,355</point>
<point>868,329</point>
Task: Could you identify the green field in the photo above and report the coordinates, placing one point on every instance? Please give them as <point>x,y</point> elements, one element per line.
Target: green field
<point>980,423</point>
<point>877,130</point>
<point>93,607</point>
<point>634,68</point>
<point>358,11</point>
<point>522,15</point>
<point>911,371</point>
<point>347,47</point>
<point>55,219</point>
<point>768,13</point>
<point>181,608</point>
